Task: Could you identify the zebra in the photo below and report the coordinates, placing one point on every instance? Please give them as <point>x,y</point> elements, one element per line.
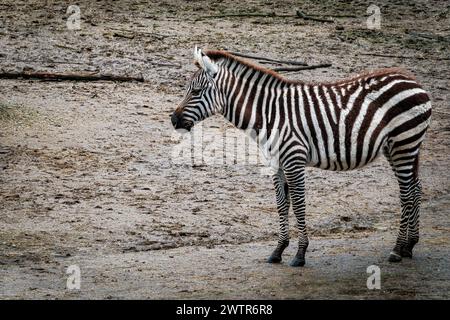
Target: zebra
<point>336,126</point>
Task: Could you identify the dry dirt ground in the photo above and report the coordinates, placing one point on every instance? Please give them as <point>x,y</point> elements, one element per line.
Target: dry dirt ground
<point>87,178</point>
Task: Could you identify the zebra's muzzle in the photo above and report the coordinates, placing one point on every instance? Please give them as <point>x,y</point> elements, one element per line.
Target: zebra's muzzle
<point>179,122</point>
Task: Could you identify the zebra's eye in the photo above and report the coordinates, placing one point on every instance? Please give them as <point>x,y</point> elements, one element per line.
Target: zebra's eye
<point>196,91</point>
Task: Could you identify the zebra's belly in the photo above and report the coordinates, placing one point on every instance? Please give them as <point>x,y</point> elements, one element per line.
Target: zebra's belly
<point>335,162</point>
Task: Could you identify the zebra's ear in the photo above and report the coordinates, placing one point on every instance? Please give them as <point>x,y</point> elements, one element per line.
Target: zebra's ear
<point>209,66</point>
<point>205,62</point>
<point>198,56</point>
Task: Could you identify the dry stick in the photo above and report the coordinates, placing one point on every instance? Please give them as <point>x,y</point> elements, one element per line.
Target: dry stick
<point>50,61</point>
<point>429,36</point>
<point>164,64</point>
<point>400,57</point>
<point>123,35</point>
<point>291,69</point>
<point>303,15</point>
<point>233,15</point>
<point>389,56</point>
<point>252,56</point>
<point>68,76</point>
<point>334,15</point>
<point>66,47</point>
<point>299,14</point>
<point>150,33</point>
<point>155,63</point>
<point>271,63</point>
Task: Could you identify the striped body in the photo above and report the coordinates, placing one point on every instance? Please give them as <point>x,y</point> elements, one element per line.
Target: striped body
<point>333,126</point>
<point>340,126</point>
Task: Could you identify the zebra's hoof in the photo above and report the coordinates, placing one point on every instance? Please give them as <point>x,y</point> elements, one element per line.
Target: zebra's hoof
<point>394,257</point>
<point>406,253</point>
<point>297,262</point>
<point>274,259</point>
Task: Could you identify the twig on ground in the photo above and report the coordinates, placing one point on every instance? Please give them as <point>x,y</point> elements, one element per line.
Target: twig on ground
<point>66,47</point>
<point>429,36</point>
<point>334,15</point>
<point>390,56</point>
<point>400,57</point>
<point>256,57</point>
<point>127,33</point>
<point>293,69</point>
<point>298,14</point>
<point>304,16</point>
<point>246,15</point>
<point>68,76</point>
<point>49,61</point>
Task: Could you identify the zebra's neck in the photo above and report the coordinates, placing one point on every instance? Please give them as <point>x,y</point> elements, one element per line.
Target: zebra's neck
<point>249,94</point>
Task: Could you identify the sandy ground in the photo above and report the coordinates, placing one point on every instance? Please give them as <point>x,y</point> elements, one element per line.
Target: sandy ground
<point>87,178</point>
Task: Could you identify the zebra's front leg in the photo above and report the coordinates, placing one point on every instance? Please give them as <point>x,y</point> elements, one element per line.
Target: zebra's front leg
<point>296,182</point>
<point>283,203</point>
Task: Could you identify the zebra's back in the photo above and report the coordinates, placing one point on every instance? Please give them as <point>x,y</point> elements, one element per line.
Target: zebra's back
<point>348,123</point>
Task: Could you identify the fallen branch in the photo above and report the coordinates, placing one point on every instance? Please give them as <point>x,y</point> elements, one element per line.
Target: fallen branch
<point>400,57</point>
<point>49,61</point>
<point>124,35</point>
<point>292,69</point>
<point>252,56</point>
<point>67,47</point>
<point>163,64</point>
<point>304,16</point>
<point>298,14</point>
<point>335,15</point>
<point>132,33</point>
<point>429,36</point>
<point>245,15</point>
<point>390,56</point>
<point>301,65</point>
<point>68,76</point>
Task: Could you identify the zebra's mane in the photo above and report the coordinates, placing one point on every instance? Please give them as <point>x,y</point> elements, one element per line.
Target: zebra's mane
<point>216,55</point>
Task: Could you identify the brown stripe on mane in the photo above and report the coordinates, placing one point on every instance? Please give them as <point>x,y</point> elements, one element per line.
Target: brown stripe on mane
<point>217,55</point>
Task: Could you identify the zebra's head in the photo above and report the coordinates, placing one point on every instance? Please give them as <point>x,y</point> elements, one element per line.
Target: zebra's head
<point>202,97</point>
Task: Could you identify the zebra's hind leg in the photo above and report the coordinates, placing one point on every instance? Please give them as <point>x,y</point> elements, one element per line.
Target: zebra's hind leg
<point>413,219</point>
<point>405,166</point>
<point>396,254</point>
<point>283,203</point>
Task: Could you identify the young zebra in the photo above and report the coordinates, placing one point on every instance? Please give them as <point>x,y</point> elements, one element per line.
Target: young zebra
<point>335,126</point>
